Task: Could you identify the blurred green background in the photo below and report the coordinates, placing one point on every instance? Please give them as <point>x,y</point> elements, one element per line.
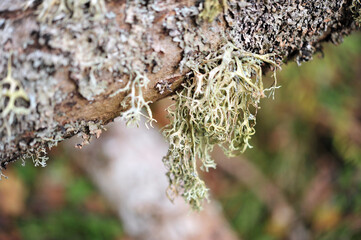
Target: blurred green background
<point>308,145</point>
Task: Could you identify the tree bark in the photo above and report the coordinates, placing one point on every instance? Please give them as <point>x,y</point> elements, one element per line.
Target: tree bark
<point>71,67</point>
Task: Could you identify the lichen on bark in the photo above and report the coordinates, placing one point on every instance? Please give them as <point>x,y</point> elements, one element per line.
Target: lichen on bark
<point>218,106</point>
<point>81,40</point>
<point>356,10</point>
<point>214,108</point>
<point>81,65</point>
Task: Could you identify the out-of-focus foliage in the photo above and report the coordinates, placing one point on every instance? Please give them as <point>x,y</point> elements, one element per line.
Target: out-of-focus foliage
<point>308,143</point>
<point>56,202</point>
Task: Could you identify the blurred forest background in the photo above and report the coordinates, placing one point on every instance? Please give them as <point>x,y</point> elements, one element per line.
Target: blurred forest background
<point>305,163</point>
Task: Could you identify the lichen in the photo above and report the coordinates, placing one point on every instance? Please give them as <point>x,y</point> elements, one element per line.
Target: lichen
<point>50,10</point>
<point>212,8</point>
<point>217,106</point>
<point>356,10</point>
<point>134,101</point>
<point>13,101</point>
<point>82,40</point>
<point>39,157</point>
<point>211,111</point>
<point>103,48</point>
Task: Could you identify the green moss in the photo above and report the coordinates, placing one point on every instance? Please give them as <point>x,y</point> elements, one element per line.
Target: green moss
<point>217,106</point>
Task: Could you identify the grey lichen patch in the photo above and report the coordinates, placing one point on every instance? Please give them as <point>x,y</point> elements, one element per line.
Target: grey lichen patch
<point>82,40</point>
<point>356,10</point>
<point>86,131</point>
<point>194,41</point>
<point>10,6</point>
<point>99,47</point>
<point>285,28</point>
<point>217,106</point>
<point>52,10</point>
<point>34,74</point>
<point>91,88</point>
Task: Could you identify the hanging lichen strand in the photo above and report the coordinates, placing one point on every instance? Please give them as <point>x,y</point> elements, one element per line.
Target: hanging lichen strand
<point>218,105</point>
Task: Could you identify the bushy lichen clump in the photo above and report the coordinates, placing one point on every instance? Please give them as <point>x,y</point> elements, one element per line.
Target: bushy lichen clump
<point>102,47</point>
<point>217,106</point>
<point>356,10</point>
<point>134,101</point>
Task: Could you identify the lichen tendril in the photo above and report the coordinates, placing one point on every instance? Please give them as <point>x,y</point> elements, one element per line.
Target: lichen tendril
<point>217,106</point>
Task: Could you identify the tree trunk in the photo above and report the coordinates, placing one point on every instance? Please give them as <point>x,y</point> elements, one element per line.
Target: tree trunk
<point>68,60</point>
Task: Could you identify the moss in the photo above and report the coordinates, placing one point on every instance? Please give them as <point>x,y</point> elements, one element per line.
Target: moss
<point>217,106</point>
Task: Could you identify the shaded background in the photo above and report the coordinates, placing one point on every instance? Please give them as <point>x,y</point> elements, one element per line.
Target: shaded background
<point>304,167</point>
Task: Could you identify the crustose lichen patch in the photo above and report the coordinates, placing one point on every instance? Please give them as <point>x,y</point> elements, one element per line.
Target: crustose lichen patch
<point>14,101</point>
<point>50,10</point>
<point>217,106</point>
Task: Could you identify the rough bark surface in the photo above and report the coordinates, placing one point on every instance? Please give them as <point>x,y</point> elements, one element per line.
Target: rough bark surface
<point>71,67</point>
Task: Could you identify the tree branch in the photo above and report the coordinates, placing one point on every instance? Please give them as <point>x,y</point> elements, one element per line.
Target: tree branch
<point>71,62</point>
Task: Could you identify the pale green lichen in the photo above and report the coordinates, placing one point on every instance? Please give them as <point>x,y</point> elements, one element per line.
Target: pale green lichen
<point>212,8</point>
<point>217,106</point>
<point>13,100</point>
<point>134,101</point>
<point>39,157</point>
<point>356,10</point>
